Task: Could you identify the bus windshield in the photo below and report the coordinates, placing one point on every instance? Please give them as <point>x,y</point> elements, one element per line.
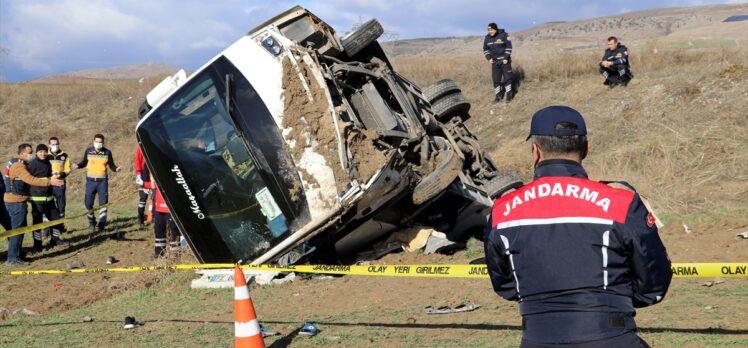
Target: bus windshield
<point>213,175</point>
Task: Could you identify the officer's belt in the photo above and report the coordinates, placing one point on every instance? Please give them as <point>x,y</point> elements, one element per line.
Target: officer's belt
<point>568,327</point>
<point>591,301</point>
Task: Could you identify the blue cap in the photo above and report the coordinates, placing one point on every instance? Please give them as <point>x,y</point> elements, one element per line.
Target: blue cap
<point>546,121</point>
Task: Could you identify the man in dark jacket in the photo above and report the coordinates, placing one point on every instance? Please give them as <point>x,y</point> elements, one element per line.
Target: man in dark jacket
<point>614,65</point>
<point>578,255</point>
<point>17,182</point>
<point>42,199</point>
<point>497,48</point>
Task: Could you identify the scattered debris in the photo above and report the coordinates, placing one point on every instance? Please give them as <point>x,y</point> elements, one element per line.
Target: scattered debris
<point>224,278</point>
<point>288,278</point>
<point>411,239</point>
<point>417,238</point>
<point>110,260</point>
<point>131,323</point>
<point>265,332</point>
<point>410,320</point>
<point>87,319</point>
<point>57,285</point>
<point>312,276</point>
<point>74,265</point>
<point>687,229</point>
<point>447,309</point>
<point>308,330</point>
<point>24,311</point>
<point>743,235</point>
<point>438,243</point>
<point>711,283</point>
<point>4,313</point>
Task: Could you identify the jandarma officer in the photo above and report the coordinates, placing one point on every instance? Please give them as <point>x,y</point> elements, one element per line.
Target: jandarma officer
<point>578,255</point>
<point>497,49</point>
<point>614,65</point>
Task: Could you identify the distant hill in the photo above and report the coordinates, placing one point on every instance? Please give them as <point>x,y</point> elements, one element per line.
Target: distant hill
<point>684,27</point>
<point>117,72</point>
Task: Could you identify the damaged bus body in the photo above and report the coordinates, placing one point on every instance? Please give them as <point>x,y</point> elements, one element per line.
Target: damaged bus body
<point>295,142</point>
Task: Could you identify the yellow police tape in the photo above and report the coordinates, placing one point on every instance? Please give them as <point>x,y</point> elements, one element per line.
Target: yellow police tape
<point>26,229</point>
<point>680,270</point>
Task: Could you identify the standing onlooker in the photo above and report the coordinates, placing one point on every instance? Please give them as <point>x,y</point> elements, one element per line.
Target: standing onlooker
<point>578,255</point>
<point>60,162</point>
<point>142,176</point>
<point>497,48</point>
<point>42,201</point>
<point>163,224</point>
<point>17,182</point>
<point>97,158</point>
<point>614,65</point>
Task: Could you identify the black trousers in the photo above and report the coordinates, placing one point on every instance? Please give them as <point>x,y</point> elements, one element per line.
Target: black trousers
<point>38,211</point>
<point>164,225</point>
<point>141,205</point>
<point>502,76</point>
<point>616,74</point>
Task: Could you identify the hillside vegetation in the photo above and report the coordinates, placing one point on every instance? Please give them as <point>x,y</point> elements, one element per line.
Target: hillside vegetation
<point>675,132</point>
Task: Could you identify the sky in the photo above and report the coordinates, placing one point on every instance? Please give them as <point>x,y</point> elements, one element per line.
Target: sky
<point>45,37</point>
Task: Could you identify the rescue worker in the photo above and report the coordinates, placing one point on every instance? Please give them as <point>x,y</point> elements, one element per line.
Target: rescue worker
<point>614,65</point>
<point>17,181</point>
<point>60,162</point>
<point>97,158</point>
<point>42,201</point>
<point>578,255</point>
<point>497,48</point>
<point>163,224</point>
<point>141,177</point>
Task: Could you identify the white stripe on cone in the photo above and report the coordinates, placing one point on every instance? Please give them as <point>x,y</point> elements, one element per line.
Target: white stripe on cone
<point>241,293</point>
<point>249,329</point>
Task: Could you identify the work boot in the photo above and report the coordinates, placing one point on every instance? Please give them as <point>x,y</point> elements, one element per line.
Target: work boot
<point>57,242</point>
<point>509,96</point>
<point>91,231</point>
<point>37,248</point>
<point>17,263</point>
<point>499,96</point>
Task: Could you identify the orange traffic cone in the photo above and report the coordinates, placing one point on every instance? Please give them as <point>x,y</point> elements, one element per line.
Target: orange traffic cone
<point>246,327</point>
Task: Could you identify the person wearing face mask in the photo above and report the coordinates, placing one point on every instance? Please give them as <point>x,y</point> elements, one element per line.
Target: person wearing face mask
<point>578,255</point>
<point>42,200</point>
<point>17,190</point>
<point>60,162</point>
<point>96,159</point>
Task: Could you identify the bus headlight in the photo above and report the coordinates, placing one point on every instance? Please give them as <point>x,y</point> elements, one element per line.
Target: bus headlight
<point>271,45</point>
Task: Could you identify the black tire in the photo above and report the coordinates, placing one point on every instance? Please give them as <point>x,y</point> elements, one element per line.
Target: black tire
<point>440,89</point>
<point>436,182</point>
<point>361,37</point>
<point>502,183</point>
<point>452,105</point>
